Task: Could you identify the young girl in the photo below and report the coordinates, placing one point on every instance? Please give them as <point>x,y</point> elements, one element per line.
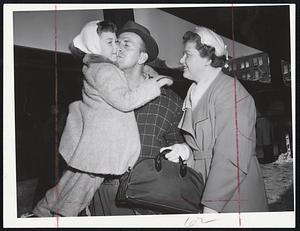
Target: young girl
<point>101,135</point>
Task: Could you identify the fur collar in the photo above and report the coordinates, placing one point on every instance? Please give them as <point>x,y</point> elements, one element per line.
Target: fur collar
<point>93,58</point>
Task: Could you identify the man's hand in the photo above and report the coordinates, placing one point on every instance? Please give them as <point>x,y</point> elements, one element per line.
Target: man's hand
<point>177,150</point>
<point>164,80</point>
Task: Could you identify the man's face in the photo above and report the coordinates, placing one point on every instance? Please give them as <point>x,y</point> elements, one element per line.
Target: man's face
<point>129,50</point>
<point>108,45</point>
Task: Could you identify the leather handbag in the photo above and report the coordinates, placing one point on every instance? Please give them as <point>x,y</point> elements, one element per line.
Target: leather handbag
<point>161,185</point>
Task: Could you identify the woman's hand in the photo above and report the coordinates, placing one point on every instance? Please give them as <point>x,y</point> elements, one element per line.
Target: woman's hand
<point>177,150</point>
<point>209,210</point>
<point>163,80</point>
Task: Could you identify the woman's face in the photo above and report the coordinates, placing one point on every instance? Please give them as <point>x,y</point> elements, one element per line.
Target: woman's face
<point>108,45</point>
<point>192,62</point>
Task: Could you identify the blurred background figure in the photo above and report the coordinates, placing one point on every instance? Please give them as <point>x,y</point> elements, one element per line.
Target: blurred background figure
<point>264,138</point>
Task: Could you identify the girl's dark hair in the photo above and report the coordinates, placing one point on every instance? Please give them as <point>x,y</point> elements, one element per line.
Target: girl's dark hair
<point>104,26</point>
<point>205,51</point>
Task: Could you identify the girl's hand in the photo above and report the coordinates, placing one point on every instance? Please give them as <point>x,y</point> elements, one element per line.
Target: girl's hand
<point>149,71</point>
<point>164,80</point>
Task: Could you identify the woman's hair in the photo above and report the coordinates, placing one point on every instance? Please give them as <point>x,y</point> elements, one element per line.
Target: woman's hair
<point>104,26</point>
<point>205,51</point>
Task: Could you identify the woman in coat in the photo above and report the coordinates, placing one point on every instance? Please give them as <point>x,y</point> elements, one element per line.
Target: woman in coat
<point>219,129</point>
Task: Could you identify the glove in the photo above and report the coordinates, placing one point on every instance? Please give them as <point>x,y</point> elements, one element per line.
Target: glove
<point>177,150</point>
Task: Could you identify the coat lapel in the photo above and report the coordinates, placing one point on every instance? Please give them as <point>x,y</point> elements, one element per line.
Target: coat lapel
<point>191,117</point>
<point>186,122</point>
<point>202,109</point>
<point>201,112</point>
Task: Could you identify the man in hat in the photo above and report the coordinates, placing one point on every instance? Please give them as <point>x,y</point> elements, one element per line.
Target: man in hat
<point>157,120</point>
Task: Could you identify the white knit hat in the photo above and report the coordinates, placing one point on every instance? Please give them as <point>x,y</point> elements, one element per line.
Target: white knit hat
<point>88,39</point>
<point>210,38</point>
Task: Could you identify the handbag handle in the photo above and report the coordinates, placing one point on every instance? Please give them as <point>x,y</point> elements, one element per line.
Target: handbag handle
<point>160,156</point>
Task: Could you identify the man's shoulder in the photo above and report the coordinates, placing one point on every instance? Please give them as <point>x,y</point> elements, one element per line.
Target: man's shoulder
<point>169,95</point>
<point>165,106</point>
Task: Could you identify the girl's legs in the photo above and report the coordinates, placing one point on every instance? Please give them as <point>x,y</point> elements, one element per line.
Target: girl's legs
<point>71,195</point>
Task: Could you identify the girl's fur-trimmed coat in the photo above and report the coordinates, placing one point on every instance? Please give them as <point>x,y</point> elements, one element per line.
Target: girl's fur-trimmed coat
<point>101,134</point>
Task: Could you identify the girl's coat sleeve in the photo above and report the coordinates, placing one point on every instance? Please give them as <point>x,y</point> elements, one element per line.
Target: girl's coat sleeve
<point>112,87</point>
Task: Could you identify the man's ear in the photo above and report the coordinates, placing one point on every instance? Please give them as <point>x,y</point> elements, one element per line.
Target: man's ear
<point>143,58</point>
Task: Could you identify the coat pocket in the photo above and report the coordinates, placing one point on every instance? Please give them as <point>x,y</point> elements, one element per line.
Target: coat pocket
<point>203,134</point>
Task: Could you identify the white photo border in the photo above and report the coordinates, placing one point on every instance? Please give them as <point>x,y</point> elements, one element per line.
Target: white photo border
<point>10,220</point>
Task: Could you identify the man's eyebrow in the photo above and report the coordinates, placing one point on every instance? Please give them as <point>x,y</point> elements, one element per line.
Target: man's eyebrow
<point>124,40</point>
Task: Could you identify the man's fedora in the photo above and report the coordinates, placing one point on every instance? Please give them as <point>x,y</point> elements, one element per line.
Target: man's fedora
<point>144,33</point>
